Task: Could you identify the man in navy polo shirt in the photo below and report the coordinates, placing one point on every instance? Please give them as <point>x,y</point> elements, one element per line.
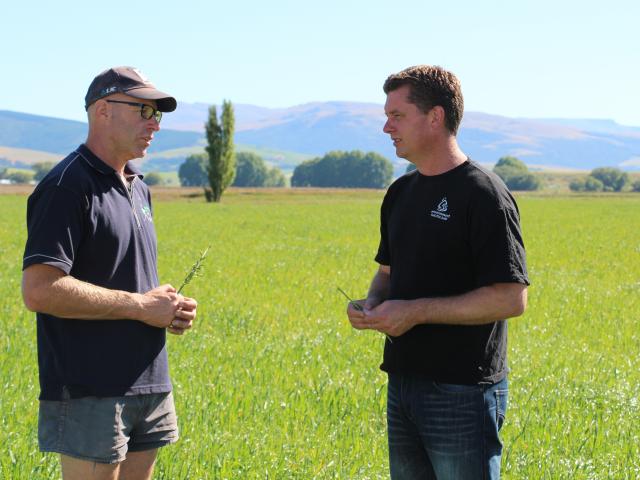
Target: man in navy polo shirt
<point>90,273</point>
<point>451,271</point>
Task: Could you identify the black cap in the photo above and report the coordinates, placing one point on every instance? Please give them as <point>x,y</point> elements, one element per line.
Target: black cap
<point>130,81</point>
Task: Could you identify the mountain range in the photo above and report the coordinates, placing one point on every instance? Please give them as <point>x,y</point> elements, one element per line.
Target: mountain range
<point>287,136</point>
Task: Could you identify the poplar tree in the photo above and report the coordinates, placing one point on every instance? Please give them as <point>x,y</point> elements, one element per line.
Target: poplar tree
<point>222,162</point>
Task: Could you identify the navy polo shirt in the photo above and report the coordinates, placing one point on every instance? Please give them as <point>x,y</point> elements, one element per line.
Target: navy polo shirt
<point>82,220</point>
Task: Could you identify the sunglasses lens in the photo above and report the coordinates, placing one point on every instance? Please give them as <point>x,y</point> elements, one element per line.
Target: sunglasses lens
<point>147,112</point>
<point>158,116</point>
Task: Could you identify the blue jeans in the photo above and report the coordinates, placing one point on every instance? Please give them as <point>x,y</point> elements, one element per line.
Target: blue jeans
<point>443,431</point>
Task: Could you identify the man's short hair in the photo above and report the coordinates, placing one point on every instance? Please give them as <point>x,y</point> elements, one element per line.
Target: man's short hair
<point>430,86</point>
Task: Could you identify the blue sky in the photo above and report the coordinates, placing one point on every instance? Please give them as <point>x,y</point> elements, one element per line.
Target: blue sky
<point>543,58</point>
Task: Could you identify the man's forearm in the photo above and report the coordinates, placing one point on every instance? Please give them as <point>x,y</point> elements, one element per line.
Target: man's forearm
<point>68,297</point>
<point>379,288</point>
<point>94,303</point>
<point>46,289</point>
<point>480,306</point>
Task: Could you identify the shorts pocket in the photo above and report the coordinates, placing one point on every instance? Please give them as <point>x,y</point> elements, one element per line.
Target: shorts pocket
<point>52,416</point>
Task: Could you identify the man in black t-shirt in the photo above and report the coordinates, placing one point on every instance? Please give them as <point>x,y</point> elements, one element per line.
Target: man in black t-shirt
<point>452,270</point>
<point>90,273</point>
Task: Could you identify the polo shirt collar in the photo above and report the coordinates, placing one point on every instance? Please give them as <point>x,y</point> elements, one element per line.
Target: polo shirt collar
<point>95,162</point>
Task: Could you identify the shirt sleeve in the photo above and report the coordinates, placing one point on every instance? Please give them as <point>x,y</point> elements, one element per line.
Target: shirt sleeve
<point>496,240</point>
<point>383,257</point>
<point>55,224</point>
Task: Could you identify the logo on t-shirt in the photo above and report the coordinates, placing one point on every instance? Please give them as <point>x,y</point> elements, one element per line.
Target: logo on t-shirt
<point>441,210</point>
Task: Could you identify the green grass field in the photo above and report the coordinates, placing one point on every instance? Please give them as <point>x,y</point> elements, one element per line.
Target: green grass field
<point>273,383</point>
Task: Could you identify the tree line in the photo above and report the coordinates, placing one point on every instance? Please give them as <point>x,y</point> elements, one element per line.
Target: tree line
<point>513,172</point>
<point>337,169</point>
<point>353,169</point>
<point>250,171</point>
<point>517,176</point>
<point>40,169</point>
<point>222,167</point>
<point>605,179</point>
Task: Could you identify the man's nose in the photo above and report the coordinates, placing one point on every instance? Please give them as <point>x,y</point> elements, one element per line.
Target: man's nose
<point>153,124</point>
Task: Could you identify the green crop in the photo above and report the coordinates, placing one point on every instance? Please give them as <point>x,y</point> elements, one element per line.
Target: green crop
<point>272,382</point>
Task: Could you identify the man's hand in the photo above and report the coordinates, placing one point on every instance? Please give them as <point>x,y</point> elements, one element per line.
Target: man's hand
<point>378,291</point>
<point>357,315</point>
<point>163,306</point>
<point>185,315</point>
<point>392,317</point>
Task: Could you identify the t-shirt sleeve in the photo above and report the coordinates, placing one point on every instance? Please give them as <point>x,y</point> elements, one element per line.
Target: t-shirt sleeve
<point>383,257</point>
<point>55,222</point>
<point>496,240</point>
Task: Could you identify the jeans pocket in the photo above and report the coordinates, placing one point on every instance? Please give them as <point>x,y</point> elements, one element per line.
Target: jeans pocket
<point>457,388</point>
<point>502,397</point>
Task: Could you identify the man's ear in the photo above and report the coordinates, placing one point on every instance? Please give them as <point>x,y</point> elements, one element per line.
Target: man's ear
<point>101,109</point>
<point>437,116</point>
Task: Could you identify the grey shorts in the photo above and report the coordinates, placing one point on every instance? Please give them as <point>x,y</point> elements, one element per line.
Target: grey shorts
<point>103,430</point>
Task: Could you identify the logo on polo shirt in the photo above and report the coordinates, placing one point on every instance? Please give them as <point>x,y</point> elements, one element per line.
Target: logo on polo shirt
<point>146,213</point>
<point>441,210</point>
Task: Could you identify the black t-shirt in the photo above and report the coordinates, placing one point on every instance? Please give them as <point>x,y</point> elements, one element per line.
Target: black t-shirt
<point>82,220</point>
<point>445,235</point>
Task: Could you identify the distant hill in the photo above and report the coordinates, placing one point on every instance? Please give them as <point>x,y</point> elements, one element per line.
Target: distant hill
<point>287,136</point>
<point>23,158</point>
<point>55,135</point>
<point>33,132</point>
<point>26,139</point>
<point>315,128</point>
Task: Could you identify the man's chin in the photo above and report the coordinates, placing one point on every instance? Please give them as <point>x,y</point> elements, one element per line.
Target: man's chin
<point>141,153</point>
